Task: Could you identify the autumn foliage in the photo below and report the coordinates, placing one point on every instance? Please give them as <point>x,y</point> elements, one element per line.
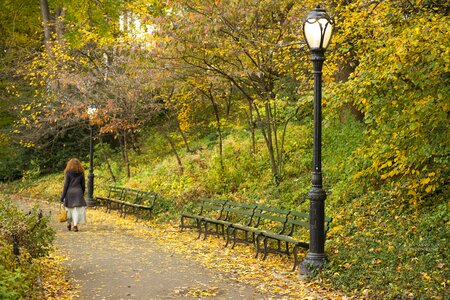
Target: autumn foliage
<point>225,88</point>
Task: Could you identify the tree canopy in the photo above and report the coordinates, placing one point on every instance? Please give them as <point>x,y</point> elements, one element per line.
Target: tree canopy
<point>188,67</point>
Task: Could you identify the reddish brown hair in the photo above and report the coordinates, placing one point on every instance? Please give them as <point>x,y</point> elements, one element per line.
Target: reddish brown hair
<point>74,165</point>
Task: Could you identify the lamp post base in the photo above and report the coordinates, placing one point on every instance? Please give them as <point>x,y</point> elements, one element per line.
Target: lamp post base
<point>312,263</point>
<point>90,202</point>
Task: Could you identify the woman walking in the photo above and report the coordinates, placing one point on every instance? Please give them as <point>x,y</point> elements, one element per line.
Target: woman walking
<point>73,194</point>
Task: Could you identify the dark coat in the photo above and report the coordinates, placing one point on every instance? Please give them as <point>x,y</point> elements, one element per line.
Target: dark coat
<point>73,192</point>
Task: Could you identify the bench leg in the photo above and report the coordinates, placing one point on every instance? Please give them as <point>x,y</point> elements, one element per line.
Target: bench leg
<point>182,224</point>
<point>138,215</point>
<point>144,214</point>
<point>228,236</point>
<point>266,249</point>
<point>254,238</point>
<point>199,228</point>
<point>223,231</point>
<point>234,238</point>
<point>257,245</point>
<point>148,214</point>
<point>122,210</point>
<point>295,251</point>
<point>206,231</point>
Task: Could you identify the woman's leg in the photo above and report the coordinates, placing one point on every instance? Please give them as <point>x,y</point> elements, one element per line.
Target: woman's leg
<point>69,218</point>
<point>78,217</point>
<point>75,220</point>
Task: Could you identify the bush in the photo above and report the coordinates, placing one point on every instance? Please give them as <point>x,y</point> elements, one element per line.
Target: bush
<point>28,231</point>
<point>16,283</point>
<point>23,238</point>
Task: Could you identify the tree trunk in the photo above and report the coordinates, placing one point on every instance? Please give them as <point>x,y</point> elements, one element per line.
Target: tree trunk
<point>105,156</point>
<point>251,122</point>
<point>219,128</point>
<point>266,131</point>
<point>45,14</point>
<point>348,109</point>
<point>274,124</point>
<point>183,135</point>
<point>125,153</point>
<point>172,146</point>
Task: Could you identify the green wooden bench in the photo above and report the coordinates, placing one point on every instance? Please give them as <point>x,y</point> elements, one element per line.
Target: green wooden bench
<point>114,199</point>
<point>264,219</point>
<point>269,229</point>
<point>232,213</point>
<point>209,208</point>
<point>141,205</point>
<point>129,201</point>
<point>295,233</point>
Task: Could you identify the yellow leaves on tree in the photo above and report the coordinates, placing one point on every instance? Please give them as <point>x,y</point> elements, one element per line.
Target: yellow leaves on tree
<point>400,85</point>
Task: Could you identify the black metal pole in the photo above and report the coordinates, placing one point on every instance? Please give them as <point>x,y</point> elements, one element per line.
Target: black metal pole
<point>90,198</point>
<point>316,256</point>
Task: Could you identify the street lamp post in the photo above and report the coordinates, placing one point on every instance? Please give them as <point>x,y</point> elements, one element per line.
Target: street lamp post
<point>92,110</point>
<point>317,29</point>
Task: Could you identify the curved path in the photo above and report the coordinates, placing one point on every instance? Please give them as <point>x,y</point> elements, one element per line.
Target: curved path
<point>114,258</point>
<point>110,262</point>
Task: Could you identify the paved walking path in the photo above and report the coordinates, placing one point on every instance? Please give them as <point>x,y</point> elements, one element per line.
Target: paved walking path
<point>110,262</point>
<point>114,258</point>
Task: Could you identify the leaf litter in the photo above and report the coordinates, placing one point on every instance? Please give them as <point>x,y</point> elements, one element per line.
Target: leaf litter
<point>269,277</point>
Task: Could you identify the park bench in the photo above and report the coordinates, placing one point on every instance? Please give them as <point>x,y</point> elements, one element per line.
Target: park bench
<point>129,201</point>
<point>209,208</point>
<point>265,219</point>
<point>232,213</point>
<point>269,229</point>
<point>295,233</point>
<point>114,199</point>
<point>129,196</point>
<point>140,205</point>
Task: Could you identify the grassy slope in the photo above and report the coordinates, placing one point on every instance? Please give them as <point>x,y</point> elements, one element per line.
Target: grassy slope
<point>376,247</point>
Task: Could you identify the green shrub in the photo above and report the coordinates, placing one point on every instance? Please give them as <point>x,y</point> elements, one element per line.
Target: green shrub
<point>29,231</point>
<point>14,284</point>
<point>23,238</point>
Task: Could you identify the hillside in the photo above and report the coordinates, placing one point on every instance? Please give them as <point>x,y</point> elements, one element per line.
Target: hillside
<point>377,246</point>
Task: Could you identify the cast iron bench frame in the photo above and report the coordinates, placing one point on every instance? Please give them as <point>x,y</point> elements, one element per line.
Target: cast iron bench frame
<point>114,200</point>
<point>209,208</point>
<point>141,206</point>
<point>230,218</point>
<point>129,201</point>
